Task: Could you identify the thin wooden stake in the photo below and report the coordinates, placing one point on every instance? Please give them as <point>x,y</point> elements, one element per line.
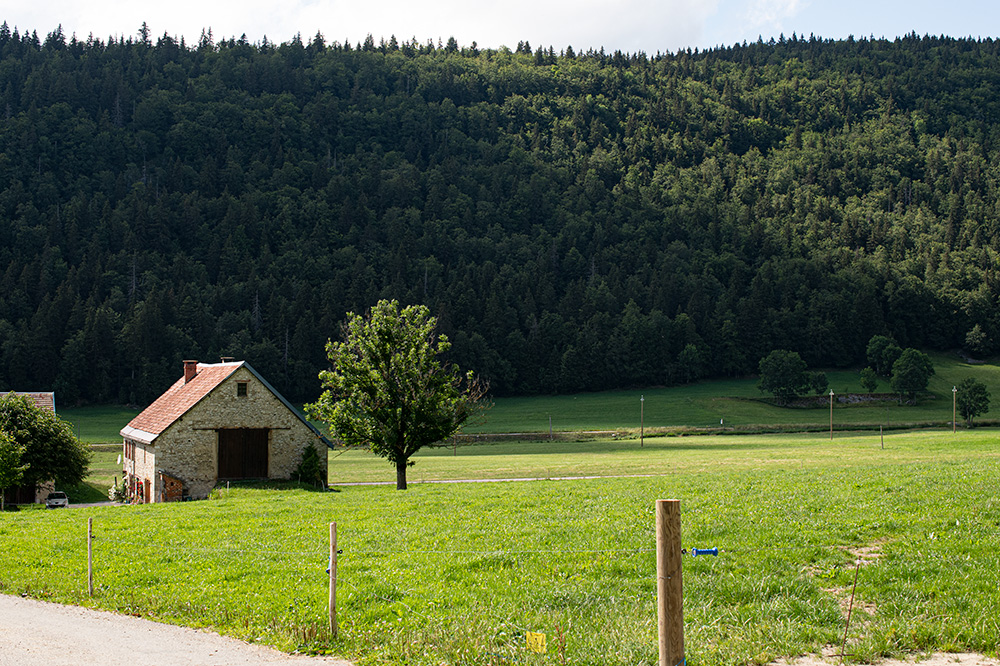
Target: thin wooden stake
<point>333,579</point>
<point>90,556</point>
<point>881,436</point>
<point>669,586</point>
<point>850,607</point>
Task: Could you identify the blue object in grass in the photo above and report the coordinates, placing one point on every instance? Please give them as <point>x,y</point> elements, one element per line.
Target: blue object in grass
<point>340,551</point>
<point>695,552</point>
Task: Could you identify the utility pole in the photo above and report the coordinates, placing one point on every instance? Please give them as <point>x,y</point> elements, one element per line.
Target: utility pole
<point>642,405</point>
<point>954,403</point>
<point>831,414</point>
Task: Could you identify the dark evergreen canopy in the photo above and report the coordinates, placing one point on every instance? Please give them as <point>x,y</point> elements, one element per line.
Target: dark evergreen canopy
<point>575,222</point>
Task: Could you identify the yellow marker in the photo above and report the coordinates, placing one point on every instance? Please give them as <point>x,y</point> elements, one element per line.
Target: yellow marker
<point>536,642</point>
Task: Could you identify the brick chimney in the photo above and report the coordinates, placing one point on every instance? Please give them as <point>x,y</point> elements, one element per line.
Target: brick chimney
<point>190,370</point>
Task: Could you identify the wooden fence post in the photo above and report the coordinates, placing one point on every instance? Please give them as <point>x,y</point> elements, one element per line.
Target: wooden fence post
<point>669,588</point>
<point>333,579</point>
<point>90,556</point>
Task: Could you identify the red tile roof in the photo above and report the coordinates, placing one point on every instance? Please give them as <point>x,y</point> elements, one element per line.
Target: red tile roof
<point>46,401</point>
<point>181,397</point>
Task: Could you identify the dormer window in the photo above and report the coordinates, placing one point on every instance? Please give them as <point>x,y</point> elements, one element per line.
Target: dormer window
<point>241,389</point>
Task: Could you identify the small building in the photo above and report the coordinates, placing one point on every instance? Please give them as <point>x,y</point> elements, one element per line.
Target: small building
<point>45,401</point>
<point>219,422</point>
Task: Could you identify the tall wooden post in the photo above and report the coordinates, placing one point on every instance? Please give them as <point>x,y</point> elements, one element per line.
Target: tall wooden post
<point>831,414</point>
<point>642,423</point>
<point>333,580</point>
<point>90,556</point>
<point>954,413</point>
<point>669,587</point>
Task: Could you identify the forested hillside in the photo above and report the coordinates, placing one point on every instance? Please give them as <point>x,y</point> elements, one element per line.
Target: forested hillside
<point>577,221</point>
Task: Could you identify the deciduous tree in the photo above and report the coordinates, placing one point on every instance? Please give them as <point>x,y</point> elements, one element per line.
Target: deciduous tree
<point>911,372</point>
<point>882,352</point>
<point>869,380</point>
<point>783,374</point>
<point>972,399</point>
<point>11,467</point>
<point>977,342</point>
<point>51,450</point>
<point>390,390</point>
<point>818,382</point>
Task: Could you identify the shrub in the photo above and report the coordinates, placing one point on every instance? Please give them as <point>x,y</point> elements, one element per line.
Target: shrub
<point>309,470</point>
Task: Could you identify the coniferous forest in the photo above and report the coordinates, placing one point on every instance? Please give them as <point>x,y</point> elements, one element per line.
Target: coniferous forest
<point>576,220</point>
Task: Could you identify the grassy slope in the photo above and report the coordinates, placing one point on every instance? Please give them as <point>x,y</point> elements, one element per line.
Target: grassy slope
<point>456,573</point>
<point>104,469</point>
<point>705,403</point>
<point>98,425</point>
<point>698,405</point>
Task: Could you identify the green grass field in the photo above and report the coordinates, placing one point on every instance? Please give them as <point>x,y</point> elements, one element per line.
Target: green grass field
<point>659,455</point>
<point>97,425</point>
<point>457,573</point>
<point>105,468</point>
<point>736,402</point>
<point>702,405</point>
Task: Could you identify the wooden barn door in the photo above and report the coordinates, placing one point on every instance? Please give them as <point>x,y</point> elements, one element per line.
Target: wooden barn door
<point>243,453</point>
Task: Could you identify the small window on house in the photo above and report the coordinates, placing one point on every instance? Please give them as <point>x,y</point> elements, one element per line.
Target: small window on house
<point>241,389</point>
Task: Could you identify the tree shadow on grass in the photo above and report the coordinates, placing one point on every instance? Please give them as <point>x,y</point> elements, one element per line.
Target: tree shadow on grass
<point>268,484</point>
<point>87,492</point>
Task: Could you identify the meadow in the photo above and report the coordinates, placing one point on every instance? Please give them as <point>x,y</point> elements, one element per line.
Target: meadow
<point>456,573</point>
<point>734,405</point>
<point>737,404</point>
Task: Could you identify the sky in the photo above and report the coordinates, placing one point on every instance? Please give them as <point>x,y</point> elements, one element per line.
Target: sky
<point>628,25</point>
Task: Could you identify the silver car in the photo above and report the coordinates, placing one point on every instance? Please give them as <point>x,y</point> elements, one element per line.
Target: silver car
<point>56,499</point>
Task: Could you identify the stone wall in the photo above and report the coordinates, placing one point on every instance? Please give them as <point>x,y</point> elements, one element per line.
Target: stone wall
<point>141,469</point>
<point>188,448</point>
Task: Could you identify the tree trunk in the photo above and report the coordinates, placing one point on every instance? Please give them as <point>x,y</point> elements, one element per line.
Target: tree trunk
<point>401,475</point>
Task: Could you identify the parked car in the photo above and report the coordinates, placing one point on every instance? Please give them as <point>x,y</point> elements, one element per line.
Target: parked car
<point>56,499</point>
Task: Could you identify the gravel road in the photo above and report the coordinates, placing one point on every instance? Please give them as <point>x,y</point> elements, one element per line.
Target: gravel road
<point>38,633</point>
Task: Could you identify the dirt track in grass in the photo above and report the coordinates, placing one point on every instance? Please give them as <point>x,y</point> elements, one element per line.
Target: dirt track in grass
<point>830,658</point>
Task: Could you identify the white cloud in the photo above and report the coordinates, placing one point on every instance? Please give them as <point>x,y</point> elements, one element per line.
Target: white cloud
<point>771,13</point>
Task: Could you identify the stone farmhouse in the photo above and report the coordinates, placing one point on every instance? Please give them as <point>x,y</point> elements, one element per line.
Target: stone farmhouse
<point>219,422</point>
